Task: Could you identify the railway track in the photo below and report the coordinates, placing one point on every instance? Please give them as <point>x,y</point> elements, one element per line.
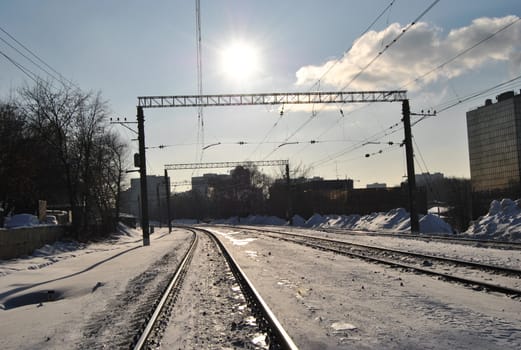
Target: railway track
<point>151,333</point>
<point>437,238</point>
<point>478,276</point>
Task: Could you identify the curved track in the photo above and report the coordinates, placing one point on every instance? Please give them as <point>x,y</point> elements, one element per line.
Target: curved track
<point>276,338</point>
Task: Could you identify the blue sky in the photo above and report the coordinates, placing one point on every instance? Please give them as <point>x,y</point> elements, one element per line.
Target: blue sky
<point>127,49</point>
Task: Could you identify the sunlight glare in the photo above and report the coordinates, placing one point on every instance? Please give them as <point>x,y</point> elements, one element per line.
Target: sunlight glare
<point>239,61</point>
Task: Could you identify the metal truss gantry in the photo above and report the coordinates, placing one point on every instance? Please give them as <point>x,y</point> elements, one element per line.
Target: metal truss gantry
<point>271,99</point>
<point>275,99</point>
<point>225,164</point>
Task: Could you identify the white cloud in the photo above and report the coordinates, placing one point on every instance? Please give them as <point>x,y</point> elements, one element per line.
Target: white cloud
<point>422,48</point>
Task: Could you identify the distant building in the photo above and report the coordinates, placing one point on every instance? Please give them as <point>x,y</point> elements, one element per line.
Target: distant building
<point>368,200</point>
<point>156,190</point>
<point>494,138</point>
<point>205,185</point>
<point>376,185</point>
<point>428,179</point>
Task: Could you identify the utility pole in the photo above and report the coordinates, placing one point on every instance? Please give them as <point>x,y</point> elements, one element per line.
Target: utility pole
<point>143,175</point>
<point>289,209</point>
<point>158,203</point>
<point>167,191</point>
<point>411,177</point>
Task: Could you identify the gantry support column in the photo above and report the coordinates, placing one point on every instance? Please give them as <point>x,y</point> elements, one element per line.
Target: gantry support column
<point>289,212</point>
<point>143,176</point>
<point>167,191</point>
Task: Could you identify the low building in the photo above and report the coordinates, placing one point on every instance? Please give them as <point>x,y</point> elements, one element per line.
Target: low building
<point>156,190</point>
<point>376,185</point>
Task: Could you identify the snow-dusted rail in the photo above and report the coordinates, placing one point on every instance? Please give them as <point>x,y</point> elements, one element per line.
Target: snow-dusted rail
<point>151,335</point>
<point>416,262</point>
<point>278,337</point>
<point>167,297</point>
<point>439,238</point>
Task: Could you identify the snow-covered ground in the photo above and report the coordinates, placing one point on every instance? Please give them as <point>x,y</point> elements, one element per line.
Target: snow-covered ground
<point>47,300</point>
<point>329,301</point>
<point>52,299</point>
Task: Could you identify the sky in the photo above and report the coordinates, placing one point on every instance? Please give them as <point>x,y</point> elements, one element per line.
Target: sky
<point>127,49</point>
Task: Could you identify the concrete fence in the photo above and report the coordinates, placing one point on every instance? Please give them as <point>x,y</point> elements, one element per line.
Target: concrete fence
<point>24,240</point>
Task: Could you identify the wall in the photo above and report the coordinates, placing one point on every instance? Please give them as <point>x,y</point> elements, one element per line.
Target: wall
<point>24,240</point>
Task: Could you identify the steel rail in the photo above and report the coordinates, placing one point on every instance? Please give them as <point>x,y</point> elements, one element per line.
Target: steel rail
<point>464,280</point>
<point>141,342</point>
<point>488,242</point>
<point>495,268</point>
<point>279,338</point>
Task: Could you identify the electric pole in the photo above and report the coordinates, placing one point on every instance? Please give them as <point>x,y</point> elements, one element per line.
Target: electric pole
<point>290,209</point>
<point>143,175</point>
<point>167,191</point>
<point>411,177</point>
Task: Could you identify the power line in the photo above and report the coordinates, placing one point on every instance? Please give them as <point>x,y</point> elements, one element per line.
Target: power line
<point>378,136</point>
<point>27,58</point>
<point>390,44</point>
<point>24,70</point>
<point>474,95</point>
<point>62,78</point>
<point>317,83</point>
<point>470,97</point>
<point>281,114</point>
<point>380,53</point>
<point>455,57</point>
<point>346,51</point>
<point>463,52</point>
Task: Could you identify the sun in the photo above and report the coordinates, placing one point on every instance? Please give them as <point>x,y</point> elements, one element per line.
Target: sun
<point>239,61</point>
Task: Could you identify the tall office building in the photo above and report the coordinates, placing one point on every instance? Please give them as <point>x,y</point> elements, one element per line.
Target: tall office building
<point>494,137</point>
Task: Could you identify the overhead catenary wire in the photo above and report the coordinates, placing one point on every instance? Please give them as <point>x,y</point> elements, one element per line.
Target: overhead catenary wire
<point>377,136</point>
<point>363,69</point>
<point>443,107</point>
<point>462,53</point>
<point>350,47</point>
<point>425,170</point>
<point>396,127</point>
<point>390,44</point>
<point>455,57</point>
<point>317,83</point>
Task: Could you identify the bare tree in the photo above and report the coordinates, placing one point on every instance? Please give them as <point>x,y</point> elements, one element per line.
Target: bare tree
<point>73,123</point>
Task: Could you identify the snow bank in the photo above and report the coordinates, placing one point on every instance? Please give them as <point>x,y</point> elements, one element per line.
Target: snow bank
<point>503,222</point>
<point>396,220</point>
<point>185,222</point>
<point>431,223</point>
<point>298,220</point>
<point>21,220</point>
<point>392,220</point>
<point>251,220</point>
